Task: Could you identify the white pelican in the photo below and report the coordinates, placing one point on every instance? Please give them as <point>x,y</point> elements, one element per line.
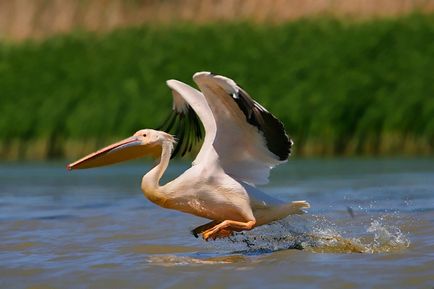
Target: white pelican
<point>242,143</point>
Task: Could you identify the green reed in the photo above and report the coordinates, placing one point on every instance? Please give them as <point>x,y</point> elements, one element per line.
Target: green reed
<point>339,87</point>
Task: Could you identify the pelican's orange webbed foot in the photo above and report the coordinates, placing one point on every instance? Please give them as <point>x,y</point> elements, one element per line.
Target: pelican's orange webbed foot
<point>226,228</point>
<point>223,233</point>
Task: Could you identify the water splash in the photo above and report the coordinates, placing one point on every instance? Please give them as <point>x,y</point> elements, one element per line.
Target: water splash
<point>315,234</point>
<point>386,238</point>
<point>320,235</point>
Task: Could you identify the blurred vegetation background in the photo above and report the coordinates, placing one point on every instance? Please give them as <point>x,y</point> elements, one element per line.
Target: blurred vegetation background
<point>346,77</point>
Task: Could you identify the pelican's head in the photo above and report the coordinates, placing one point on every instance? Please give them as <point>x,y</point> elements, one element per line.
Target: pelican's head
<point>153,137</point>
<point>145,142</point>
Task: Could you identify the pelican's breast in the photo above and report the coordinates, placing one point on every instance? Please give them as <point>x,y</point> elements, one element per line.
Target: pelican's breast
<point>209,194</point>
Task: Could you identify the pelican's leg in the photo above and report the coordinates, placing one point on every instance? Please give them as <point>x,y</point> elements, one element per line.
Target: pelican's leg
<point>222,234</point>
<point>225,229</point>
<point>198,230</point>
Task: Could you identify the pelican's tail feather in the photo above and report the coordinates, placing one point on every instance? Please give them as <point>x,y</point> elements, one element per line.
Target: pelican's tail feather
<point>297,207</point>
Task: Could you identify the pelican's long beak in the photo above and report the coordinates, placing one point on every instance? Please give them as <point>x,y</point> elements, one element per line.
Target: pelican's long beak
<point>127,149</point>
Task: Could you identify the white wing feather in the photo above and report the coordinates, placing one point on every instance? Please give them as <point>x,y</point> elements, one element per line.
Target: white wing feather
<point>183,94</point>
<point>241,147</point>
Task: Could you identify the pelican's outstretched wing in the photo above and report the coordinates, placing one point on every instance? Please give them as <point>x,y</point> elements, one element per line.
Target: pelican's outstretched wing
<point>189,105</point>
<point>249,140</point>
<point>241,136</point>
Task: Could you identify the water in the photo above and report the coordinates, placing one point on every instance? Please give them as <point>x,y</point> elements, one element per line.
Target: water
<point>371,225</point>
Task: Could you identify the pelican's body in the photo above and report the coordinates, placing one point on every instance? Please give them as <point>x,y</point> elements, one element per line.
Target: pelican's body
<point>215,196</point>
<point>243,141</point>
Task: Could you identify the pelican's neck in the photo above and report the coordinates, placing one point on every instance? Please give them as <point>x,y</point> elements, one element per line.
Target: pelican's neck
<point>151,181</point>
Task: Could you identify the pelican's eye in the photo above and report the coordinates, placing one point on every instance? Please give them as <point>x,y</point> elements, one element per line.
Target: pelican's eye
<point>144,135</point>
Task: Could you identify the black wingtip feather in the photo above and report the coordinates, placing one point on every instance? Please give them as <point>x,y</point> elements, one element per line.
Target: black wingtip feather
<point>276,138</point>
<point>186,127</point>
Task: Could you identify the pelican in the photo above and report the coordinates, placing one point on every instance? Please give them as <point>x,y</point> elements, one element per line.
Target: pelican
<point>242,142</point>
